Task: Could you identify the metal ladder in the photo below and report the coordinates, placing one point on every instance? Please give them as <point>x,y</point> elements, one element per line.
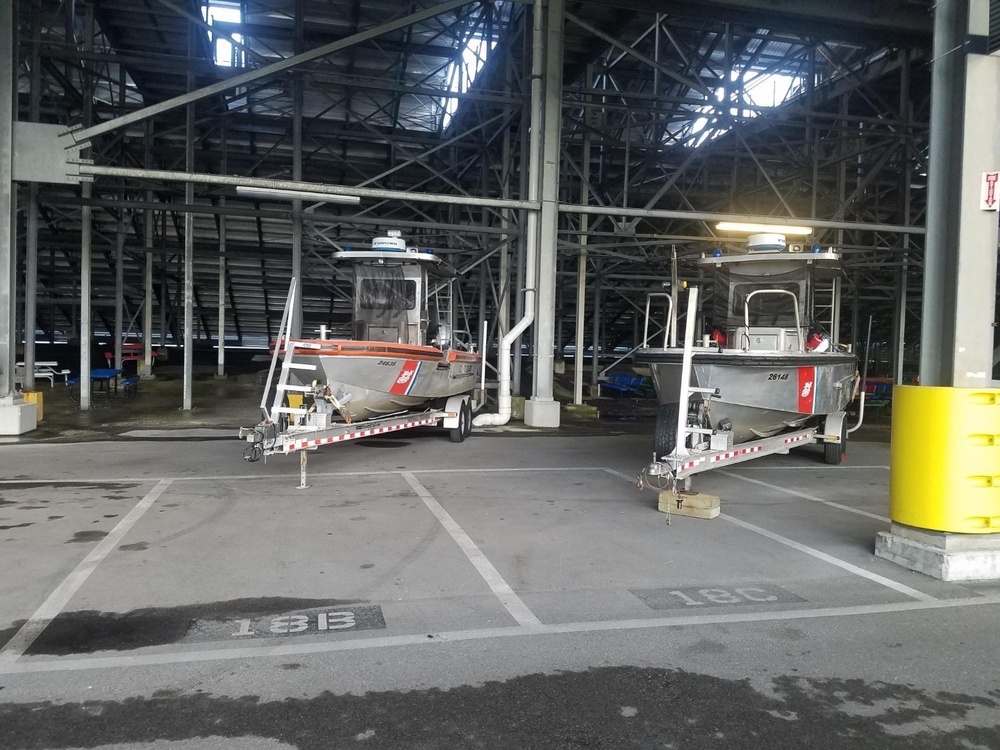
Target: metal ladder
<point>287,365</point>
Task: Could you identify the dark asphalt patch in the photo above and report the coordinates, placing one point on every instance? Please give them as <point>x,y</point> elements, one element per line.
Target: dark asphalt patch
<point>87,536</point>
<point>380,443</point>
<point>86,631</point>
<point>106,486</point>
<point>611,707</point>
<point>136,547</point>
<point>15,526</point>
<point>7,633</point>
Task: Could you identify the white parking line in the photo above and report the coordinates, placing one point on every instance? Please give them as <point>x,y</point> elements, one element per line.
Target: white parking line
<point>882,580</point>
<point>812,467</point>
<point>33,665</point>
<point>59,598</point>
<point>804,496</point>
<point>888,582</point>
<point>511,601</point>
<point>295,475</point>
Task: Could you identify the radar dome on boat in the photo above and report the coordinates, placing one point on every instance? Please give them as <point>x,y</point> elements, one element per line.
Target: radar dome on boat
<point>392,243</point>
<point>766,243</point>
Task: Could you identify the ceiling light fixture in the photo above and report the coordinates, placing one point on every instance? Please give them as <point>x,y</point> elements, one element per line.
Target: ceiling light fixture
<point>306,195</point>
<point>742,226</point>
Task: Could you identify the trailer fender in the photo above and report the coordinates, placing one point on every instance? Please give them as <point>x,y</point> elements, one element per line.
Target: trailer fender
<point>452,409</point>
<point>833,428</point>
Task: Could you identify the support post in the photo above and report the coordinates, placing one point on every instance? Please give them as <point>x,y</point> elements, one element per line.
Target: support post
<point>943,500</point>
<point>542,410</point>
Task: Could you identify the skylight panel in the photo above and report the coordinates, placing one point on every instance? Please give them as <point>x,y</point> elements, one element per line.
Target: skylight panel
<point>223,51</point>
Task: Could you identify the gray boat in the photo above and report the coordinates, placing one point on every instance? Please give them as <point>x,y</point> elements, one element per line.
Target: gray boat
<point>763,364</point>
<point>404,353</point>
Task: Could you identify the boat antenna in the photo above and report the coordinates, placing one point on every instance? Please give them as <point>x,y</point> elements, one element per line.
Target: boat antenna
<point>868,345</point>
<point>674,293</point>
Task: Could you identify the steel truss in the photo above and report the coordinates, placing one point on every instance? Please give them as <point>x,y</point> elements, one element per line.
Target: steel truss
<point>664,127</point>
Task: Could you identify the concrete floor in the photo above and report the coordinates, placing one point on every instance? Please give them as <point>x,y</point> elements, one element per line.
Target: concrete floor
<point>513,591</point>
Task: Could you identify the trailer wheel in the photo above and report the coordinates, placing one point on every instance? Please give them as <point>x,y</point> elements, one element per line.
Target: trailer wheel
<point>665,433</point>
<point>467,405</point>
<point>834,453</point>
<point>459,433</point>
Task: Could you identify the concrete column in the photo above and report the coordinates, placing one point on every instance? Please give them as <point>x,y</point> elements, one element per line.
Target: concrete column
<point>31,235</point>
<point>947,524</point>
<point>960,258</point>
<point>541,410</point>
<point>8,294</point>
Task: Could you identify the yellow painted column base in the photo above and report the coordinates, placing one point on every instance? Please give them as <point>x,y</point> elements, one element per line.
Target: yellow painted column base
<point>945,459</point>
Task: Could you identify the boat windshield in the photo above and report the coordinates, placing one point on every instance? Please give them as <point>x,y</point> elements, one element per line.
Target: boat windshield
<point>384,299</point>
<point>732,289</point>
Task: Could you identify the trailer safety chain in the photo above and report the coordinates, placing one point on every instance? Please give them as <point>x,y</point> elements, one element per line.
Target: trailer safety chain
<point>264,436</point>
<point>664,483</point>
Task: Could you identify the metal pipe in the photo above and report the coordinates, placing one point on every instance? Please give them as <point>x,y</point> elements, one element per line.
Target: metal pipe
<point>147,233</point>
<point>119,289</point>
<point>649,213</point>
<point>189,257</point>
<point>502,416</point>
<point>221,305</point>
<point>581,270</point>
<point>680,444</point>
<point>222,179</point>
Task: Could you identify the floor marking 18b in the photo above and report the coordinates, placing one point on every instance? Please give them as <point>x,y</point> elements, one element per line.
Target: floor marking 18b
<point>357,618</point>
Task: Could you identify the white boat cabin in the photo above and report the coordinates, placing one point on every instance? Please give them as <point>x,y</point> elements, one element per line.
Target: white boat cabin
<point>401,295</point>
<point>775,301</point>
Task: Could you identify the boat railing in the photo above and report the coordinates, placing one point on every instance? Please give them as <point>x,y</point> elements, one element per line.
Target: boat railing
<point>781,332</point>
<point>667,323</point>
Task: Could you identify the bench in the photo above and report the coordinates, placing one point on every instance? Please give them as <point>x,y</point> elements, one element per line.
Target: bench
<point>878,396</point>
<point>129,386</point>
<point>43,370</point>
<point>624,383</point>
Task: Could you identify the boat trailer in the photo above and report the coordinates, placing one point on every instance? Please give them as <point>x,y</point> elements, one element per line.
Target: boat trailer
<point>699,449</point>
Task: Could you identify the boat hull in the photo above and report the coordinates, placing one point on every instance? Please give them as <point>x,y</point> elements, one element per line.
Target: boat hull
<point>760,394</point>
<point>372,379</point>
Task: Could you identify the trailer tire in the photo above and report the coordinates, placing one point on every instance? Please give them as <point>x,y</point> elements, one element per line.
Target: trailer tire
<point>835,453</point>
<point>467,405</point>
<point>665,433</point>
<point>459,433</point>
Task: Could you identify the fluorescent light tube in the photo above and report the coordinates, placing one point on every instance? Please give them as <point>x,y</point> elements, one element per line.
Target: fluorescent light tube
<point>306,195</point>
<point>741,226</point>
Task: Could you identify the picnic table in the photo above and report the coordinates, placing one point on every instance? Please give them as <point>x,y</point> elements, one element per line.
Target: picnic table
<point>105,383</point>
<point>43,369</point>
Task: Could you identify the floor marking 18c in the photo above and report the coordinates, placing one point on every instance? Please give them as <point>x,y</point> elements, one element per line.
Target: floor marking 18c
<point>716,596</point>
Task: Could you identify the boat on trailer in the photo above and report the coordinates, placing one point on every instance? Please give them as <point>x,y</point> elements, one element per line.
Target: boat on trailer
<point>404,352</point>
<point>404,366</point>
<point>764,365</point>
